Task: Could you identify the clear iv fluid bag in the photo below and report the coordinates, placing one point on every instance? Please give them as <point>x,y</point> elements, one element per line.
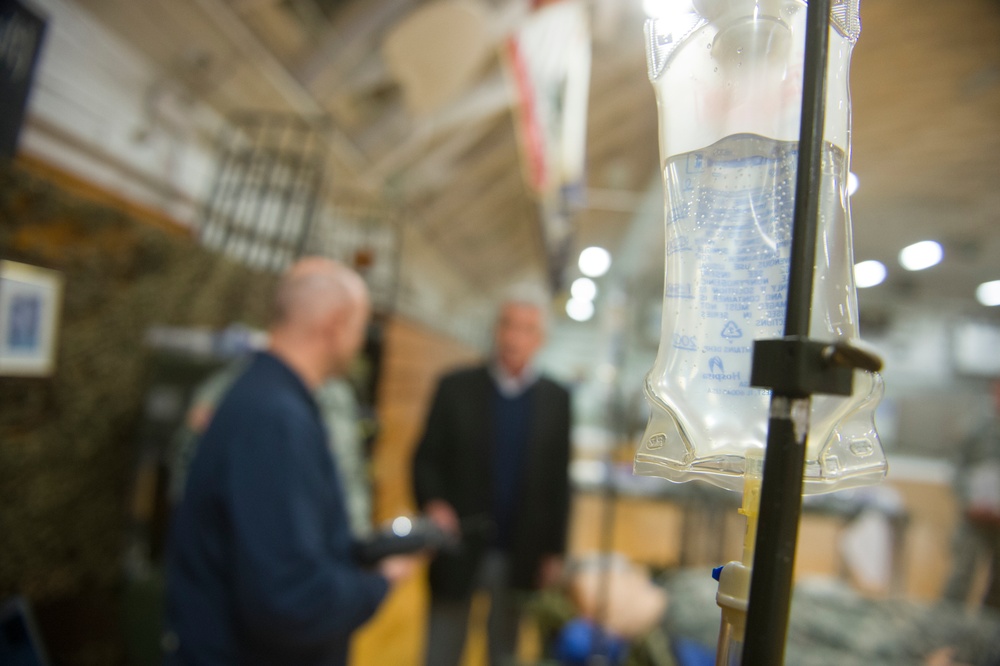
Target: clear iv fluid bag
<point>727,77</point>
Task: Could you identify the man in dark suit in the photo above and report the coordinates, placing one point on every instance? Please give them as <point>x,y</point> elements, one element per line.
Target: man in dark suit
<point>492,468</point>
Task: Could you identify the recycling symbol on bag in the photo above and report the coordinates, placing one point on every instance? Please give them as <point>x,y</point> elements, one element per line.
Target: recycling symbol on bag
<point>731,331</point>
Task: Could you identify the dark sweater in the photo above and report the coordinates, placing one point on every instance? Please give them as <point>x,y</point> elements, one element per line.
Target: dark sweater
<point>511,418</point>
<point>454,462</point>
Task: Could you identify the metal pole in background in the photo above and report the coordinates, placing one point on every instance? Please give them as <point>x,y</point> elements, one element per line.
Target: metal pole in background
<point>781,490</point>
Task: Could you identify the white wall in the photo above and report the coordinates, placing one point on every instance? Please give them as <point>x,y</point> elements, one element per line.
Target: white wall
<point>928,406</point>
<point>104,112</point>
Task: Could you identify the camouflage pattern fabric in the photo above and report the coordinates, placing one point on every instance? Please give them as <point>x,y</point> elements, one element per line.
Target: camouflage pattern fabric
<point>832,625</point>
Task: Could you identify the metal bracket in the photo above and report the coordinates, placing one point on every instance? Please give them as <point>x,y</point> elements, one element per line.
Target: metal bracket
<point>796,366</point>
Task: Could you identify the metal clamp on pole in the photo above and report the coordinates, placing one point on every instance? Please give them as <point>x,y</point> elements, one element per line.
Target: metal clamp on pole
<point>796,366</point>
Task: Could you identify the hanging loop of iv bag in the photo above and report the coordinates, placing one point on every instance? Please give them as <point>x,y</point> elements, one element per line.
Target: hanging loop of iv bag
<point>728,81</point>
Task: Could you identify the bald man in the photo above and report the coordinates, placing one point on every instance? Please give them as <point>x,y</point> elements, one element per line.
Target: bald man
<point>259,566</point>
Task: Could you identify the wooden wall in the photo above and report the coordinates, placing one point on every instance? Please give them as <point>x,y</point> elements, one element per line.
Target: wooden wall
<point>653,533</point>
<point>413,358</point>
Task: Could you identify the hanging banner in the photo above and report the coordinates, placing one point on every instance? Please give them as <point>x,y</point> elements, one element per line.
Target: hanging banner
<point>548,60</point>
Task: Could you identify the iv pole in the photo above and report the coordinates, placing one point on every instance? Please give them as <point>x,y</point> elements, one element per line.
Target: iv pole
<point>794,368</point>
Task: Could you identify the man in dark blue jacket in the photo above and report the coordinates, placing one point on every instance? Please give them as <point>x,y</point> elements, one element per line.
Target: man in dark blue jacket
<point>259,566</point>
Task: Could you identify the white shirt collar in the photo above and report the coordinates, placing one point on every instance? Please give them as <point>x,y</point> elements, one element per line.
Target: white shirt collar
<point>511,386</point>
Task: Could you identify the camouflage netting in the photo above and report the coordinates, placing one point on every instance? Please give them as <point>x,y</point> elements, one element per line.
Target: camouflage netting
<point>67,442</point>
<point>832,625</point>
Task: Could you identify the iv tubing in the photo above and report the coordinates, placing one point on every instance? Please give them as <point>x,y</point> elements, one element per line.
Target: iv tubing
<point>734,578</point>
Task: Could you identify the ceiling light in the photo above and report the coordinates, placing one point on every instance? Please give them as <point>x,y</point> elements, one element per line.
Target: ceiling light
<point>583,289</point>
<point>594,261</point>
<point>579,310</point>
<point>921,255</point>
<point>869,273</point>
<point>852,183</point>
<point>988,293</point>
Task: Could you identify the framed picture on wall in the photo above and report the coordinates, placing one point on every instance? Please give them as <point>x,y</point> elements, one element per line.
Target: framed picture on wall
<point>30,299</point>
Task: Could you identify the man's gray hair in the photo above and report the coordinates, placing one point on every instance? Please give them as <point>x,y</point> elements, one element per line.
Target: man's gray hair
<point>531,295</point>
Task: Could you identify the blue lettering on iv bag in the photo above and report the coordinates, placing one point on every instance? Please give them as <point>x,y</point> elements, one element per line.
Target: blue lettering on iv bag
<point>731,331</point>
<point>728,246</point>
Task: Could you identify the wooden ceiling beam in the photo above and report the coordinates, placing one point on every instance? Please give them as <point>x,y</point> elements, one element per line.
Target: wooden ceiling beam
<point>232,26</point>
<point>248,6</point>
<point>467,193</point>
<point>478,106</point>
<point>347,44</point>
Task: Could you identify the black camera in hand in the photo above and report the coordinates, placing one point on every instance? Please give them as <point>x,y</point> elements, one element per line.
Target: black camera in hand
<point>402,536</point>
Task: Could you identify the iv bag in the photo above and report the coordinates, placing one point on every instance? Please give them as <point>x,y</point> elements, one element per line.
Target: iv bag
<point>728,81</point>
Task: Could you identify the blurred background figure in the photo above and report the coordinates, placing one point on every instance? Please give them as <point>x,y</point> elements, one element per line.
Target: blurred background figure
<point>495,452</point>
<point>338,403</point>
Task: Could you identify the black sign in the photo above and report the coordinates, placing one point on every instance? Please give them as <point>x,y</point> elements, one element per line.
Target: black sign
<point>21,33</point>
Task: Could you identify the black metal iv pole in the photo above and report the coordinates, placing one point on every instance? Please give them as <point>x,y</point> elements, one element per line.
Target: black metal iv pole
<point>794,368</point>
